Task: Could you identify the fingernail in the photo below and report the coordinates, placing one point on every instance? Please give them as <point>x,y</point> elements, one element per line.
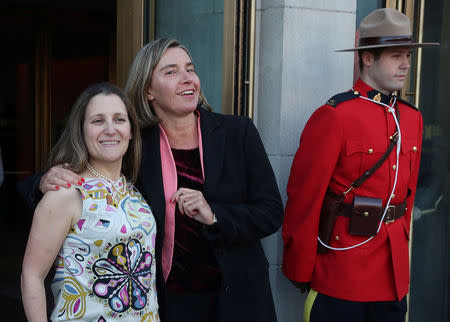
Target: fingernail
<point>56,187</point>
<point>68,184</point>
<point>80,182</point>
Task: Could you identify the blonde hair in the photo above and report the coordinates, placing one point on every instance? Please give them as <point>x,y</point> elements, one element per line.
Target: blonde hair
<point>71,146</point>
<point>140,77</point>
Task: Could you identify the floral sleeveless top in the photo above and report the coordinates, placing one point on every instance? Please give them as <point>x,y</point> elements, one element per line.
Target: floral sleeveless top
<point>105,270</point>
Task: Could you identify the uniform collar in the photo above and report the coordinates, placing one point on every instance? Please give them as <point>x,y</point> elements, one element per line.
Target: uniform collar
<point>367,91</point>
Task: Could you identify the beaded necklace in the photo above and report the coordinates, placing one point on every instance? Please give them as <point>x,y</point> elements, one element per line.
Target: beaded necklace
<point>118,186</point>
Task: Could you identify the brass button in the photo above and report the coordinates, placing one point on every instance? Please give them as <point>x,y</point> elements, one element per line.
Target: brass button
<point>370,151</point>
<point>337,237</point>
<point>366,214</point>
<point>414,148</point>
<point>390,138</point>
<point>387,222</point>
<point>356,92</point>
<point>393,195</point>
<point>394,167</point>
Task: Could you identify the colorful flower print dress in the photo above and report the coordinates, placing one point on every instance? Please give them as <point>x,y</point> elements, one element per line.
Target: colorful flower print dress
<point>105,270</point>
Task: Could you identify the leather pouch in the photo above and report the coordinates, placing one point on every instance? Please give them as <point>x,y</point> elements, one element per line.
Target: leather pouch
<point>365,216</point>
<point>332,205</point>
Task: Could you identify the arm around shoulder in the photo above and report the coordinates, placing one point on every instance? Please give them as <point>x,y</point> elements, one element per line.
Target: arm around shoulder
<point>33,187</point>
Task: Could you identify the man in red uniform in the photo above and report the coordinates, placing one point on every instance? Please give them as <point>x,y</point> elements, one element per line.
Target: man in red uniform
<point>361,277</point>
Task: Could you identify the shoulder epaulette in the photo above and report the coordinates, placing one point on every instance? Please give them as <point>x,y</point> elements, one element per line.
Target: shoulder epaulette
<point>342,97</point>
<point>407,103</point>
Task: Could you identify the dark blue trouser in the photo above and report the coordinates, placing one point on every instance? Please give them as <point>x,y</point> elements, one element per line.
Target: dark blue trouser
<point>326,308</point>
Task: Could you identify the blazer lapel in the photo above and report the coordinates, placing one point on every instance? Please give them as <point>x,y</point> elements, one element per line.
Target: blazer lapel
<point>213,139</point>
<point>150,175</point>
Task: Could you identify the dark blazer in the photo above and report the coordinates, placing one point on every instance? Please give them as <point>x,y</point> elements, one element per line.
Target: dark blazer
<point>242,191</point>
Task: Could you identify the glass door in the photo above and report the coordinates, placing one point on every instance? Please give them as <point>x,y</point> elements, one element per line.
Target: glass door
<point>199,26</point>
<point>220,36</point>
<point>430,269</point>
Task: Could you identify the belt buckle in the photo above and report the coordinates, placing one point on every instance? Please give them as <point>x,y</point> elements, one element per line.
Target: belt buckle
<point>389,217</point>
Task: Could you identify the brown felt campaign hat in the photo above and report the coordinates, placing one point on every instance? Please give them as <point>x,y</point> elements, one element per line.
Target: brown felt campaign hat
<point>386,27</point>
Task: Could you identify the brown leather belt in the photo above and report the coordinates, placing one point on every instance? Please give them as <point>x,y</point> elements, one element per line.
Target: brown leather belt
<point>394,212</point>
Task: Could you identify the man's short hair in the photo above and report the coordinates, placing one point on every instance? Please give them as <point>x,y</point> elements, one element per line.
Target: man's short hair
<point>376,54</point>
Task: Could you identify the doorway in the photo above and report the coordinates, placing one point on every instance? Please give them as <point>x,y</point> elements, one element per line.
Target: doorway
<point>430,263</point>
<point>51,51</point>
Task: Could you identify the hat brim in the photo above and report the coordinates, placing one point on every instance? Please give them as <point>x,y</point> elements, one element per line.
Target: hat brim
<point>406,44</point>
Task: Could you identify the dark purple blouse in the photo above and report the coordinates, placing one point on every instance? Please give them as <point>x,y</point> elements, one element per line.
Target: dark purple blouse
<point>194,267</point>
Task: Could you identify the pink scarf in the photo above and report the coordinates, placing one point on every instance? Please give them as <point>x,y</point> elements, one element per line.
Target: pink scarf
<point>169,175</point>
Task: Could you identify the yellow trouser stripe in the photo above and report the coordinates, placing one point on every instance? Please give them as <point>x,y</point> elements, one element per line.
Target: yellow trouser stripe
<point>308,305</point>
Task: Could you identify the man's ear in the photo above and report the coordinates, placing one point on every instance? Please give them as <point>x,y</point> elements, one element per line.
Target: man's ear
<point>367,58</point>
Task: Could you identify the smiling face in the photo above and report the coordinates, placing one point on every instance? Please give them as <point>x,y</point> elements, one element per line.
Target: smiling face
<point>387,73</point>
<point>106,130</point>
<point>174,88</point>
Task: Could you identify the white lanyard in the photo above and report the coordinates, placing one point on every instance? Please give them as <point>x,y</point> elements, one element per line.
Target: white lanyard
<point>392,111</point>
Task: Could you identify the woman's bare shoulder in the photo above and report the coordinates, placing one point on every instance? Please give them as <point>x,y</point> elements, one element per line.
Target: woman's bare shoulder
<point>67,200</point>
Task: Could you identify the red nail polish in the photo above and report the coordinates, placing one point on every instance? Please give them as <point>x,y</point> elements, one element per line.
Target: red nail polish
<point>56,187</point>
<point>68,184</point>
<point>80,182</point>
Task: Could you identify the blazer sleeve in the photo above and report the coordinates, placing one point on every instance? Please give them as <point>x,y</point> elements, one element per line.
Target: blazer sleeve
<point>311,172</point>
<point>260,214</point>
<point>29,190</point>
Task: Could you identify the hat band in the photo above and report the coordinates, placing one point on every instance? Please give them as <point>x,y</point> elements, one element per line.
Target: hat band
<point>391,40</point>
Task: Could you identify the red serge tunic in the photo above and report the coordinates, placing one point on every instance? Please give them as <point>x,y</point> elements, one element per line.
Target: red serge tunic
<point>341,140</point>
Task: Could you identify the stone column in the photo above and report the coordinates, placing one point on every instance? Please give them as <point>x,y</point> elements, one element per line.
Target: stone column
<point>297,71</point>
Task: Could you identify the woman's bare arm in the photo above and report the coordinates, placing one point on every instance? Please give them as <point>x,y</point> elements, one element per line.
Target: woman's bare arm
<point>54,215</point>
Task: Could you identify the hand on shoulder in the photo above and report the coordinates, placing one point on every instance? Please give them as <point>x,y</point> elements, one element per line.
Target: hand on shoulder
<point>57,177</point>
